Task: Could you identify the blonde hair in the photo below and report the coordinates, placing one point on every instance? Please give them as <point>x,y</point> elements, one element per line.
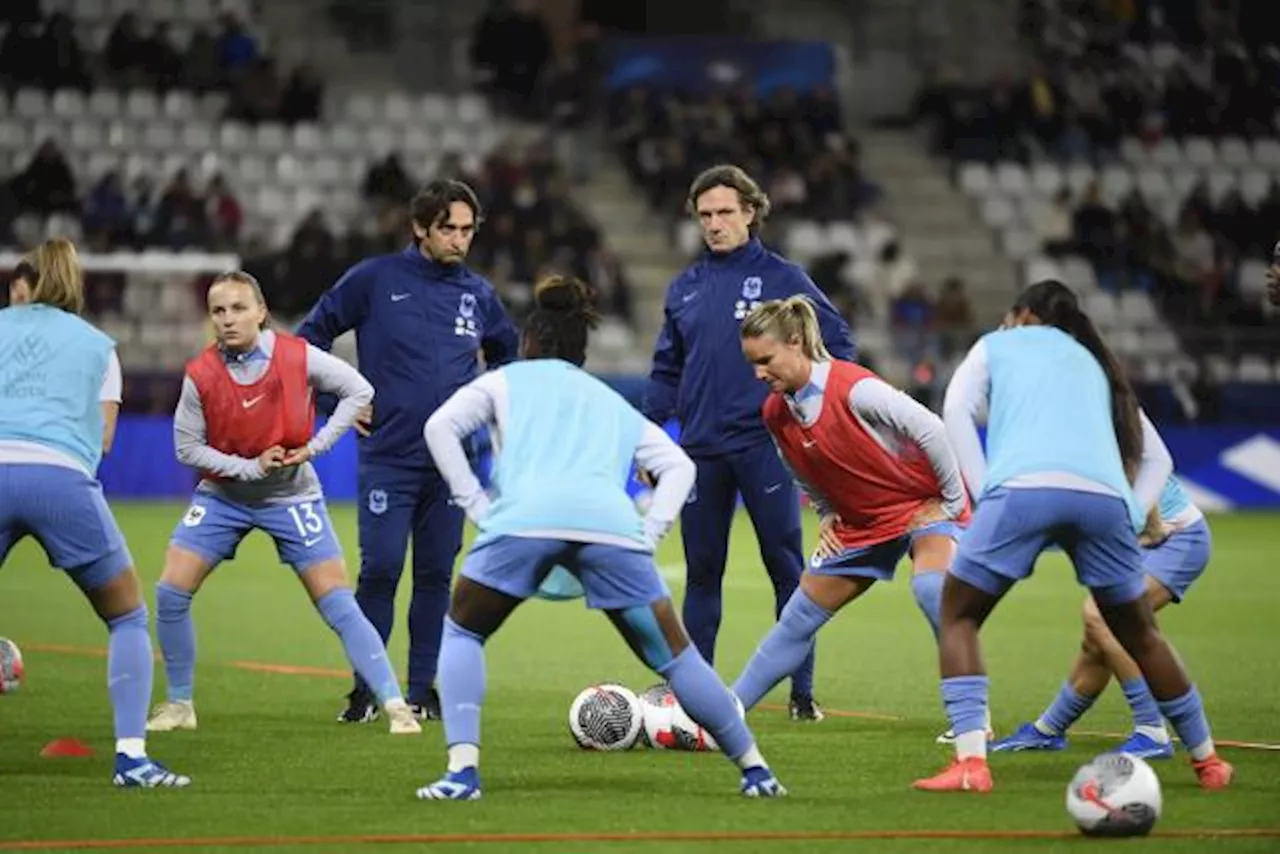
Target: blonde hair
<point>245,278</point>
<point>788,320</point>
<point>59,277</point>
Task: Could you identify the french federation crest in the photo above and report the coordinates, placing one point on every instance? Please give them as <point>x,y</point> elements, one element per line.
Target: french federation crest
<point>467,305</point>
<point>752,286</point>
<point>377,501</point>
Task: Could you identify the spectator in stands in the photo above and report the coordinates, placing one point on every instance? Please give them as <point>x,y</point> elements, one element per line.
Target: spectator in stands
<point>1194,265</point>
<point>309,266</point>
<point>387,182</point>
<point>509,52</point>
<point>1096,238</point>
<point>912,321</point>
<point>255,92</point>
<point>1053,224</point>
<point>145,205</point>
<point>181,221</point>
<point>1273,277</point>
<point>954,319</point>
<point>159,58</point>
<point>1146,246</point>
<point>223,213</point>
<point>200,62</point>
<point>236,48</point>
<point>62,61</point>
<point>106,211</point>
<point>123,55</point>
<point>303,96</point>
<point>47,185</point>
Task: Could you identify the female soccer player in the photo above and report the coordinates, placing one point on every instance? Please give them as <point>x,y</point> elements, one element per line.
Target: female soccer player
<point>51,440</point>
<point>565,443</point>
<point>245,420</point>
<point>1063,433</point>
<point>1176,547</point>
<point>876,466</point>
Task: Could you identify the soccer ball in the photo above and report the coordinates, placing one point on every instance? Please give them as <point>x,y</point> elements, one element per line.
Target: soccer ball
<point>1115,794</point>
<point>10,666</point>
<point>667,726</point>
<point>605,717</point>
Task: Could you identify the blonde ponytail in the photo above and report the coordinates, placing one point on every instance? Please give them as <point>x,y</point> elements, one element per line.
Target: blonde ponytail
<point>59,278</point>
<point>790,320</point>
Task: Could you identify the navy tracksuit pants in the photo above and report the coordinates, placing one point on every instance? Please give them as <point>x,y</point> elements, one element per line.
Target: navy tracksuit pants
<point>773,503</point>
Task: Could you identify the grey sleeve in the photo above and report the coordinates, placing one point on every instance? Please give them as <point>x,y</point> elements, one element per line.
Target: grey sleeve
<point>878,403</point>
<point>189,441</point>
<point>331,375</point>
<point>965,407</point>
<point>819,504</point>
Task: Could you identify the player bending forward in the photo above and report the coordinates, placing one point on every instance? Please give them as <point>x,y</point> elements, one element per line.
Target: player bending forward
<point>565,444</point>
<point>245,420</point>
<point>876,466</point>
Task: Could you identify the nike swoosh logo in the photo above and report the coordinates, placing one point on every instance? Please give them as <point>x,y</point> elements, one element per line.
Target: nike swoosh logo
<point>398,297</point>
<point>687,297</point>
<point>312,541</point>
<point>774,488</point>
<point>251,401</point>
<point>809,443</point>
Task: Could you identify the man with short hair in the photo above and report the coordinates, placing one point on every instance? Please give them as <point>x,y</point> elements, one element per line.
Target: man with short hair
<point>420,317</point>
<point>700,376</point>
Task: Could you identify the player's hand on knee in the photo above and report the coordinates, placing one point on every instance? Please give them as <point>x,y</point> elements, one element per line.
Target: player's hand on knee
<point>364,420</point>
<point>270,459</point>
<point>829,544</point>
<point>297,456</point>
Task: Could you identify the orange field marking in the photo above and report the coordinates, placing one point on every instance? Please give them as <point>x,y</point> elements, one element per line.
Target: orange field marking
<point>331,673</point>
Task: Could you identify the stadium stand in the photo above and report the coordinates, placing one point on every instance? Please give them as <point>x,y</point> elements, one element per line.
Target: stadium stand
<point>231,161</point>
<point>1140,162</point>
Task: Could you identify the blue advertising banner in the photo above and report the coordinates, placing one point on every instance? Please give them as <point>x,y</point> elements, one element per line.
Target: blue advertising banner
<point>701,64</point>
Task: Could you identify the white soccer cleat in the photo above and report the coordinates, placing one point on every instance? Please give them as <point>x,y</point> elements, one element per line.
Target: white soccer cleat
<point>168,716</point>
<point>402,720</point>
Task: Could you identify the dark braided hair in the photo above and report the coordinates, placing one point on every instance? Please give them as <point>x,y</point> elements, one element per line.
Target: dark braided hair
<point>1056,305</point>
<point>562,317</point>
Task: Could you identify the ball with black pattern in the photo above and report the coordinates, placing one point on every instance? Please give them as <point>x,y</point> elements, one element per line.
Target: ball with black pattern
<point>605,717</point>
<point>1115,795</point>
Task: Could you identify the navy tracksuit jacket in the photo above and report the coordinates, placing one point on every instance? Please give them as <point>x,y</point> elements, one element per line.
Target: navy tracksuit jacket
<point>701,378</point>
<point>419,326</point>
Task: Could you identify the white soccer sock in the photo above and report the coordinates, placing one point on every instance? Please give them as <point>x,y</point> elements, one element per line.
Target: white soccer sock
<point>753,758</point>
<point>134,748</point>
<point>1203,750</point>
<point>463,756</point>
<point>971,744</point>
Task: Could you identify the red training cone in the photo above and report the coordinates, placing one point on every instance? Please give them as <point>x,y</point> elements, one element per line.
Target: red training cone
<point>66,747</point>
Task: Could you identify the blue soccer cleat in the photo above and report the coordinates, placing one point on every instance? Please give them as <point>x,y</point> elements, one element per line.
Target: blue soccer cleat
<point>461,785</point>
<point>759,782</point>
<point>144,773</point>
<point>1144,746</point>
<point>1027,737</point>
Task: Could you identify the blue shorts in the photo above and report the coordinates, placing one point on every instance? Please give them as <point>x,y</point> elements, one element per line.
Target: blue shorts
<point>1180,560</point>
<point>1011,527</point>
<point>613,578</point>
<point>65,510</point>
<point>213,528</point>
<point>879,561</point>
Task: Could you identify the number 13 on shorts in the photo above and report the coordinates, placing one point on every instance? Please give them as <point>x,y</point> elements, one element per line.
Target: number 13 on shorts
<point>311,539</point>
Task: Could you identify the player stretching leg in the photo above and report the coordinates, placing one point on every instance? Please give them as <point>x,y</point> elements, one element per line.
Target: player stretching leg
<point>1064,430</point>
<point>1176,549</point>
<point>245,420</point>
<point>875,464</point>
<point>567,442</point>
<point>52,429</point>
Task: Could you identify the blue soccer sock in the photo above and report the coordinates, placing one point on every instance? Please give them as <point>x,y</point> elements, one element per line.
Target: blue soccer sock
<point>965,700</point>
<point>1186,714</point>
<point>177,636</point>
<point>1142,703</point>
<point>365,650</point>
<point>927,588</point>
<point>129,673</point>
<point>462,685</point>
<point>708,702</point>
<point>1067,708</point>
<point>783,649</point>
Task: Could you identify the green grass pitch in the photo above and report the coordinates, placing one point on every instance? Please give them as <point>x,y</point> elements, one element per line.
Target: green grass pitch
<point>272,767</point>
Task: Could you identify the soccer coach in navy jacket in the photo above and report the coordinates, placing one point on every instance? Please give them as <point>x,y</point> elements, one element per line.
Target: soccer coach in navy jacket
<point>700,376</point>
<point>421,318</point>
